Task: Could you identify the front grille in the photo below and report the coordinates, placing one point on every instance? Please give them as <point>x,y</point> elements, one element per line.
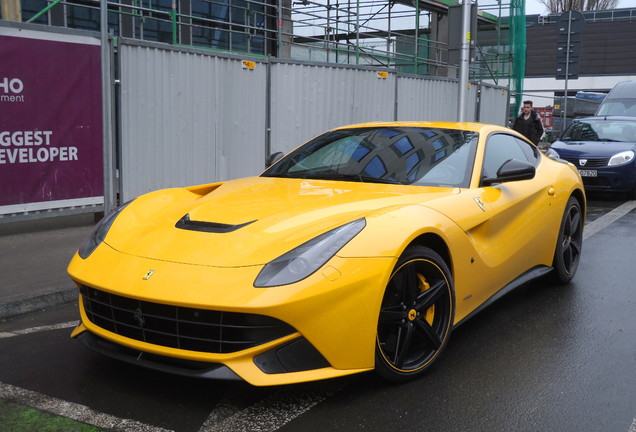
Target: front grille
<point>591,162</point>
<point>596,181</point>
<point>180,327</point>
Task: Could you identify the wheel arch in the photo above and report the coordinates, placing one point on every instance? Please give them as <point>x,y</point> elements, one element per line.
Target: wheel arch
<point>437,244</point>
<point>430,251</point>
<point>566,257</point>
<point>580,197</point>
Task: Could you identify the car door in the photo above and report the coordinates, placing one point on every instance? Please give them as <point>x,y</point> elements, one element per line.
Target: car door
<point>511,240</point>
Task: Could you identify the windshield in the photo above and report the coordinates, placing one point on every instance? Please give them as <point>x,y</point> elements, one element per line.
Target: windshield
<point>601,130</point>
<point>618,107</point>
<point>397,155</point>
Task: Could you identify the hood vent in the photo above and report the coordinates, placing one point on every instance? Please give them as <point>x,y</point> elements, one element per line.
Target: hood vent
<point>211,227</point>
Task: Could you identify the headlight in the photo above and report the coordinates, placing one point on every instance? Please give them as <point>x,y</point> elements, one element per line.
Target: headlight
<point>304,260</point>
<point>99,233</point>
<point>621,158</point>
<point>552,153</point>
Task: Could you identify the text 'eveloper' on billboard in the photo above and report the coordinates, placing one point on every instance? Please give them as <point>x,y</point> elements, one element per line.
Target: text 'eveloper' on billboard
<point>50,119</point>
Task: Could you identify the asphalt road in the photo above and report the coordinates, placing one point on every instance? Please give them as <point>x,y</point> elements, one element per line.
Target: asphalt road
<point>543,358</point>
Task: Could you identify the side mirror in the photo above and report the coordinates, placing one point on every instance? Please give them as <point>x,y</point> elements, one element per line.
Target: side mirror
<point>273,158</point>
<point>512,170</point>
<point>552,136</point>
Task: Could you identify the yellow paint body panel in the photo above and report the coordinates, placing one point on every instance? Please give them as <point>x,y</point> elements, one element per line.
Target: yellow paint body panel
<point>336,308</point>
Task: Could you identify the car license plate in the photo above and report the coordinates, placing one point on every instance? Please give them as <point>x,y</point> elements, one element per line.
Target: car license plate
<point>588,173</point>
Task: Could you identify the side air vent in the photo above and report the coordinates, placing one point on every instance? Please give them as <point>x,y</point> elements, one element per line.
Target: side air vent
<point>211,227</point>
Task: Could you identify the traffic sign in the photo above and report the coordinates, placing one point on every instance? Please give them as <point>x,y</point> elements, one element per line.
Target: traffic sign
<point>570,27</point>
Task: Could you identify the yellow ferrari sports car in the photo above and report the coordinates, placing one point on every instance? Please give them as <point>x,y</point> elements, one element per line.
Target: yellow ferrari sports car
<point>360,250</point>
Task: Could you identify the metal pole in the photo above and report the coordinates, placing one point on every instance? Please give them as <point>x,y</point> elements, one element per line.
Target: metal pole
<point>107,127</point>
<point>328,30</point>
<point>567,73</point>
<point>336,42</point>
<point>357,32</point>
<point>396,93</point>
<point>416,50</point>
<point>279,26</point>
<point>268,109</point>
<point>388,38</point>
<point>464,60</point>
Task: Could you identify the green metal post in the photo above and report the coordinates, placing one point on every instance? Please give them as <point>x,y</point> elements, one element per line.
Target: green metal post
<point>173,18</point>
<point>498,58</point>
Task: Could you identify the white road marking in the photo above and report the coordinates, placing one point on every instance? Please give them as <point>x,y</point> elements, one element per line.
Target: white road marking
<point>68,324</point>
<point>608,218</point>
<point>267,415</point>
<point>271,413</point>
<point>632,428</point>
<point>222,411</point>
<point>72,411</point>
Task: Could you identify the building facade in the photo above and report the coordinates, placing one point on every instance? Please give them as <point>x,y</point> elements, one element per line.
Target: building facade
<point>606,58</point>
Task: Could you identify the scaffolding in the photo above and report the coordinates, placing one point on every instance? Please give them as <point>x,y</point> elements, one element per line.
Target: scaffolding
<point>404,35</point>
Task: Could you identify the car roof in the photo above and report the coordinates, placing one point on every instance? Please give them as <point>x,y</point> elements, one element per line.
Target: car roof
<point>469,126</point>
<point>613,118</point>
<point>623,90</point>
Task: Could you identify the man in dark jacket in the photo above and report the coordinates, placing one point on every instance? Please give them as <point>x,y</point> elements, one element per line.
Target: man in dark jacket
<point>529,123</point>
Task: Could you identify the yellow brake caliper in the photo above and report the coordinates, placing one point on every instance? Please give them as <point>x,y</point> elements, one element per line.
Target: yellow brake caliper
<point>424,286</point>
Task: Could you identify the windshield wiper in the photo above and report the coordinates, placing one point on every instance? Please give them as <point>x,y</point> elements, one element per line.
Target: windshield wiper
<point>330,175</point>
<point>355,177</point>
<point>380,180</point>
<point>306,174</point>
<point>285,175</point>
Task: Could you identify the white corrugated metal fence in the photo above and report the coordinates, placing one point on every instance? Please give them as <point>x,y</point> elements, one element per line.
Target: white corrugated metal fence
<point>192,116</point>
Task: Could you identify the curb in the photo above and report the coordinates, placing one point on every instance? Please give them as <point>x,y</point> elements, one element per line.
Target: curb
<point>31,304</point>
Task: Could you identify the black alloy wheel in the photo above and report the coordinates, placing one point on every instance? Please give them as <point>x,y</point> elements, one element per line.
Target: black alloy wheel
<point>631,195</point>
<point>569,242</point>
<point>416,315</point>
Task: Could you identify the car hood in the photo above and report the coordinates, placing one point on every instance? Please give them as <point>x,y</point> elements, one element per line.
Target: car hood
<point>599,149</point>
<point>250,221</point>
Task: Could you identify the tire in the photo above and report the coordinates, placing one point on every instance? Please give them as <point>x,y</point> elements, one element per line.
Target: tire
<point>631,195</point>
<point>569,243</point>
<point>416,315</point>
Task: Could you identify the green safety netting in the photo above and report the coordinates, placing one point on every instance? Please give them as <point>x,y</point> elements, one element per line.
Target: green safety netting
<point>518,49</point>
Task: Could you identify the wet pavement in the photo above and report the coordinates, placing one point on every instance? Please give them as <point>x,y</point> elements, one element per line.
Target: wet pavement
<point>543,358</point>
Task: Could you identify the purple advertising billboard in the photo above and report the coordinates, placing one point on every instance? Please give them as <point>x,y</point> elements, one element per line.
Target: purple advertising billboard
<point>50,120</point>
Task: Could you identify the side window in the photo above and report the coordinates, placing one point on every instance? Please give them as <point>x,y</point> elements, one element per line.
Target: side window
<point>501,148</point>
<point>531,152</point>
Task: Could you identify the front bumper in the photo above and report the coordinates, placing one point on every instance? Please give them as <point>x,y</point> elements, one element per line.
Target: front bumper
<point>334,312</point>
<point>619,179</point>
<point>151,361</point>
